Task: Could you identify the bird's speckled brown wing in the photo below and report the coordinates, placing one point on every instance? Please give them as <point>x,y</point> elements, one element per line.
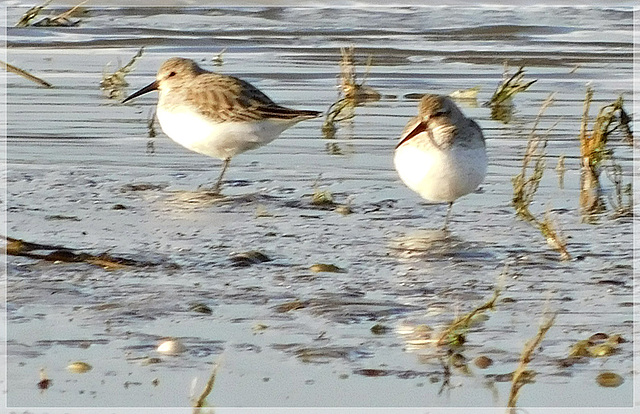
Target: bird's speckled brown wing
<point>229,99</point>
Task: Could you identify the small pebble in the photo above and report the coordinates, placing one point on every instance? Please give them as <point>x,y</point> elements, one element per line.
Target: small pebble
<point>322,267</point>
<point>598,337</point>
<point>609,379</point>
<point>249,258</point>
<point>483,362</point>
<point>151,360</point>
<point>201,308</point>
<point>379,329</point>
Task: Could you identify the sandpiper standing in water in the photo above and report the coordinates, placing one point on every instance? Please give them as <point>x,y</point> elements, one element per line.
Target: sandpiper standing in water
<point>441,154</point>
<point>216,115</point>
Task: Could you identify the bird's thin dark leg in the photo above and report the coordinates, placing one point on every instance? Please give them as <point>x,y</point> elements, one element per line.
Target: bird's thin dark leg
<point>216,188</point>
<point>446,220</point>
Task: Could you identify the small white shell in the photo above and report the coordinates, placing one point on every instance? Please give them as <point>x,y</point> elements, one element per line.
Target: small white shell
<point>79,367</point>
<point>171,347</point>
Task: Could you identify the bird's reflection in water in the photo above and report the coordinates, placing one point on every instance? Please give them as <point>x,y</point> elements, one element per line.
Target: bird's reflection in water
<point>434,243</point>
<point>205,198</point>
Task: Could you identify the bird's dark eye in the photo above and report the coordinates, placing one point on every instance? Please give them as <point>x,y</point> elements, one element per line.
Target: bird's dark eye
<point>440,112</point>
<point>171,74</point>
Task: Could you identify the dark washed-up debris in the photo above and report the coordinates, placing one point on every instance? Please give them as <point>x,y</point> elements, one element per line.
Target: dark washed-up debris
<point>44,382</point>
<point>322,354</point>
<point>249,258</point>
<point>289,306</point>
<point>142,187</point>
<point>414,96</point>
<point>379,329</point>
<point>401,374</point>
<point>526,377</point>
<point>323,267</point>
<point>17,247</point>
<point>201,308</point>
<point>150,361</point>
<point>62,217</point>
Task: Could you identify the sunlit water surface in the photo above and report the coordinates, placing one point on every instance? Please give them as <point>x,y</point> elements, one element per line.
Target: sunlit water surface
<point>73,155</point>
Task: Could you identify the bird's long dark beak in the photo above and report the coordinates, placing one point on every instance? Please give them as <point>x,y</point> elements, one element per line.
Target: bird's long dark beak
<point>419,128</point>
<point>150,87</point>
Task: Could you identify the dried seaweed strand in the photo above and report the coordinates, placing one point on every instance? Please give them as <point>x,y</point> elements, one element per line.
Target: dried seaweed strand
<point>68,13</point>
<point>560,170</point>
<point>31,14</point>
<point>201,401</point>
<point>595,152</point>
<point>25,74</point>
<point>353,93</point>
<point>464,321</point>
<point>509,87</point>
<point>114,83</point>
<point>521,374</point>
<point>17,247</point>
<point>525,188</point>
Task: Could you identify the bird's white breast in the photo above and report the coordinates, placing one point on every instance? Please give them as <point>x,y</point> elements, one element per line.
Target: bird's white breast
<point>217,139</point>
<point>441,176</point>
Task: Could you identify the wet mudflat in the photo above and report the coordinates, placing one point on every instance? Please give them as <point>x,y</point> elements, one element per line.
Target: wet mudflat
<point>81,175</point>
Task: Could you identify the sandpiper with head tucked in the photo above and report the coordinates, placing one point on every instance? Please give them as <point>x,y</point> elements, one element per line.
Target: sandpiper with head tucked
<point>441,154</point>
<point>216,115</point>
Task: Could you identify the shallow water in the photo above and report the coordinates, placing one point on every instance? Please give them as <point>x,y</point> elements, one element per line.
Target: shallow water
<point>73,155</point>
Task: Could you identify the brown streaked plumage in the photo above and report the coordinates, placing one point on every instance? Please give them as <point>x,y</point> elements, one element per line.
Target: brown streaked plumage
<point>221,98</point>
<point>214,114</point>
